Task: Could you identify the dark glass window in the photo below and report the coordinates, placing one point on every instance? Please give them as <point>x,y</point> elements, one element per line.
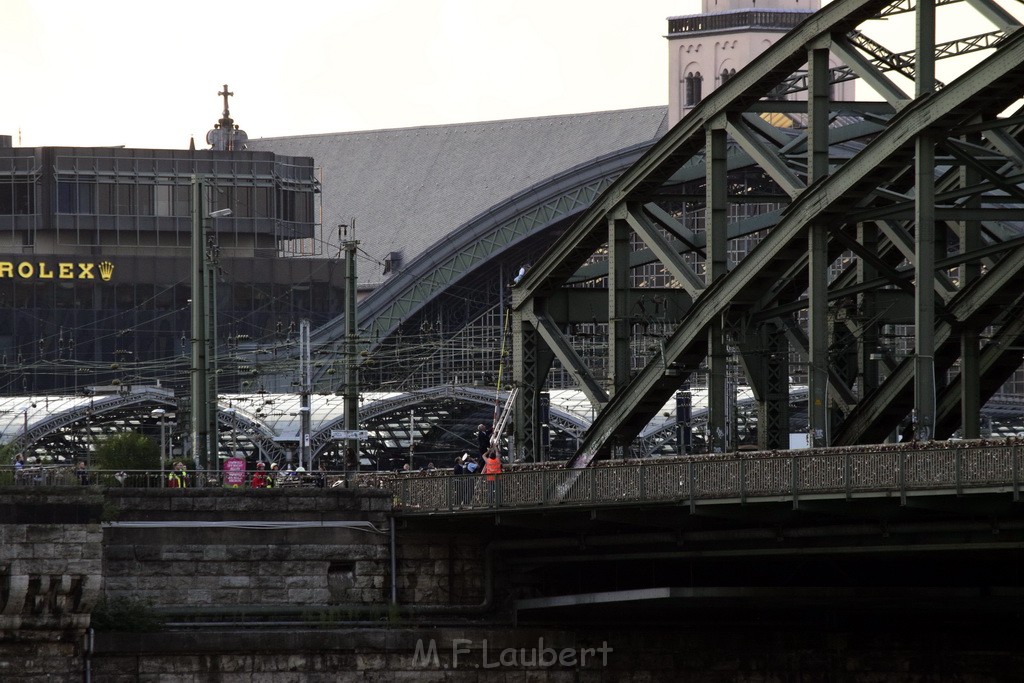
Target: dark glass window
<point>67,197</point>
<point>294,206</point>
<point>182,203</point>
<point>107,199</point>
<point>24,198</point>
<point>126,205</point>
<point>87,198</point>
<point>263,206</point>
<point>6,199</point>
<point>145,199</point>
<point>76,197</point>
<point>243,202</point>
<point>694,81</point>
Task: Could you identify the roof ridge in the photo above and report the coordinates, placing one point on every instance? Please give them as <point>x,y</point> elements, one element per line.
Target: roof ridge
<point>547,117</point>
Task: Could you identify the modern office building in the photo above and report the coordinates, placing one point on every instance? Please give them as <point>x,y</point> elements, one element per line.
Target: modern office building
<point>96,260</point>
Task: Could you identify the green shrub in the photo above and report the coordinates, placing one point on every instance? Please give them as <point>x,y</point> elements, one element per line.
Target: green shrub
<point>127,451</point>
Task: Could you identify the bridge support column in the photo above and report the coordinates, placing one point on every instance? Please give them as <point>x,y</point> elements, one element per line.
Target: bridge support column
<point>924,242</point>
<point>770,382</point>
<point>717,266</point>
<point>531,362</point>
<point>870,351</point>
<point>619,322</point>
<point>818,259</point>
<point>970,354</point>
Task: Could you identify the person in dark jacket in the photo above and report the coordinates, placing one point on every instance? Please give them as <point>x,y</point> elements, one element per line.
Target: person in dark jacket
<point>483,439</point>
<point>82,473</point>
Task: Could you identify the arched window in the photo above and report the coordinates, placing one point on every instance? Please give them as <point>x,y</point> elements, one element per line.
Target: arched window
<point>693,89</point>
<point>727,74</point>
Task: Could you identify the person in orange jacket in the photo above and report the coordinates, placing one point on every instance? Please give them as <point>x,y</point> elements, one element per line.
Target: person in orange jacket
<point>492,468</point>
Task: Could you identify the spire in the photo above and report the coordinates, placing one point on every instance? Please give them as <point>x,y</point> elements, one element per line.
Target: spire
<point>226,122</point>
<point>226,136</point>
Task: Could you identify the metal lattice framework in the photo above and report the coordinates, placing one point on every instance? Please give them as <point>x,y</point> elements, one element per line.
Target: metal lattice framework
<point>893,272</point>
<point>480,242</point>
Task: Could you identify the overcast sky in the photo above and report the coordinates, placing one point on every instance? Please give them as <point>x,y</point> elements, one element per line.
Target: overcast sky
<point>147,74</point>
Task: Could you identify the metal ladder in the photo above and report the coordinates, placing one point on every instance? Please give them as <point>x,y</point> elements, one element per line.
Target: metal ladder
<point>501,422</point>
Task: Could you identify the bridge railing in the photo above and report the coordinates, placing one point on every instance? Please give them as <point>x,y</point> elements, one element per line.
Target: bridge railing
<point>66,475</point>
<point>778,476</point>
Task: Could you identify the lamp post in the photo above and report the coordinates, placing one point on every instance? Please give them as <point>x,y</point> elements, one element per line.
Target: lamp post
<point>204,330</point>
<point>160,414</point>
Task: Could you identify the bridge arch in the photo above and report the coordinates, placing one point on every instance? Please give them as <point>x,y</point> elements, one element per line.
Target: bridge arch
<point>507,234</point>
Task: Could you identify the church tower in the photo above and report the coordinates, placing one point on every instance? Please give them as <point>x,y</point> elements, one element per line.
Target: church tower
<point>707,49</point>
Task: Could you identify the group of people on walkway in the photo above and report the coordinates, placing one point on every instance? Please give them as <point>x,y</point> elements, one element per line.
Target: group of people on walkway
<point>487,462</point>
<point>263,477</point>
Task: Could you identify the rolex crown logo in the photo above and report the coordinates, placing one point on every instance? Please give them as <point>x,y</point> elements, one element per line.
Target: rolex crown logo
<point>106,270</point>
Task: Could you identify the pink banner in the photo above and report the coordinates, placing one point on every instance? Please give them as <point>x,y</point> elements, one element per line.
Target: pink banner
<point>234,472</point>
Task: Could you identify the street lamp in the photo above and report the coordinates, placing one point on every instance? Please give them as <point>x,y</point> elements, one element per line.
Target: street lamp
<point>160,414</point>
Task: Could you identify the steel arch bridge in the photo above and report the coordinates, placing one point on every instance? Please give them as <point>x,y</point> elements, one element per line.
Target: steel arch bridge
<point>506,233</point>
<point>903,219</point>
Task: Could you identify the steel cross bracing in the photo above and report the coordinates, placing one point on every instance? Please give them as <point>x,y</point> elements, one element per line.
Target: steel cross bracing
<point>837,270</point>
<point>886,61</point>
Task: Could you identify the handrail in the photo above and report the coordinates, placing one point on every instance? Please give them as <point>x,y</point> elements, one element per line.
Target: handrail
<point>787,475</point>
<point>934,468</point>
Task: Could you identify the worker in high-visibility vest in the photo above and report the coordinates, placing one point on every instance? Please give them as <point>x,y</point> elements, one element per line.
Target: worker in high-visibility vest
<point>492,468</point>
<point>177,478</point>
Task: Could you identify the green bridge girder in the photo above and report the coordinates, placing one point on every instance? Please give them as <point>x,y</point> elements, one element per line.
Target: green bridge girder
<point>923,206</point>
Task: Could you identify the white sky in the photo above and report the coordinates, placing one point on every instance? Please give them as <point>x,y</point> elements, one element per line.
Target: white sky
<point>145,74</point>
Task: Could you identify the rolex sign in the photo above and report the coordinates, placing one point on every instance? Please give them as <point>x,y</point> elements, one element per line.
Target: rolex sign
<point>56,270</point>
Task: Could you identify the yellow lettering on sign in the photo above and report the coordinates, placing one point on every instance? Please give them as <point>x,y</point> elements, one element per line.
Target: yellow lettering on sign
<point>27,270</point>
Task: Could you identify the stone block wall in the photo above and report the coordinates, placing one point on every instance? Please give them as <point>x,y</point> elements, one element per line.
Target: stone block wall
<point>435,569</point>
<point>214,553</point>
<point>224,549</point>
<point>50,580</point>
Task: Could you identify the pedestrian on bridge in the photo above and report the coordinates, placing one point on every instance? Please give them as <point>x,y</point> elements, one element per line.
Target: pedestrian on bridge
<point>177,479</point>
<point>492,468</point>
<point>82,473</point>
<point>483,439</point>
<point>259,477</point>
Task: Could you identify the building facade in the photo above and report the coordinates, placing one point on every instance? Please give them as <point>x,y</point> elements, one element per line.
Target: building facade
<point>95,272</point>
<point>707,49</point>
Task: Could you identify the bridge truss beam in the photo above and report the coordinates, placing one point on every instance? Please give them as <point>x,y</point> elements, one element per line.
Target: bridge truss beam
<point>896,223</point>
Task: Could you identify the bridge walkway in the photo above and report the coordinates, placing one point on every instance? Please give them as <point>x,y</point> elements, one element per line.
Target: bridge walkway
<point>947,469</point>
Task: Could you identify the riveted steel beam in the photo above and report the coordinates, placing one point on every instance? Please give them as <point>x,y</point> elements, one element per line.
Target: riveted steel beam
<point>987,89</point>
